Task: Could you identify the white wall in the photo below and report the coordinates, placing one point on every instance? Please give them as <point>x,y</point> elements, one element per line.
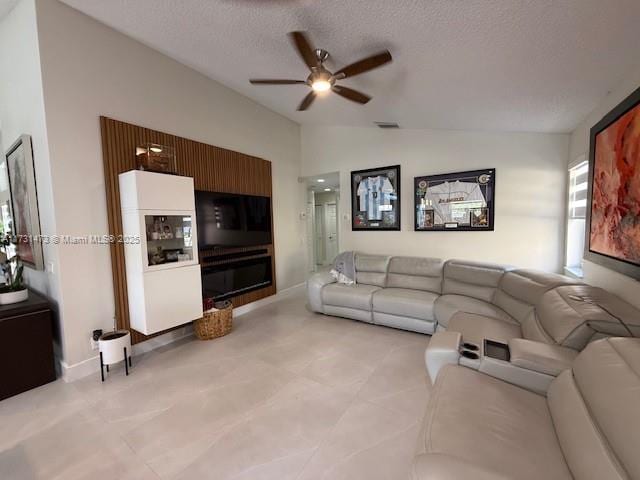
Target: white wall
<point>90,70</point>
<point>530,189</point>
<point>625,287</point>
<point>22,112</point>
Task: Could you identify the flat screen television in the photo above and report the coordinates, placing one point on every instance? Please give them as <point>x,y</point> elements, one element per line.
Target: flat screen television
<point>231,220</point>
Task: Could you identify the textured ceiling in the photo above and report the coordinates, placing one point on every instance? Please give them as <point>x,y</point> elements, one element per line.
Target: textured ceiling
<point>6,6</point>
<point>508,65</point>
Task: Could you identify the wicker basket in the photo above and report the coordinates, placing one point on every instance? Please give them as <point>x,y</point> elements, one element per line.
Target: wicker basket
<point>214,324</point>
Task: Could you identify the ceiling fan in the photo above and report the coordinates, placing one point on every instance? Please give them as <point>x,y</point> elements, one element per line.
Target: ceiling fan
<point>322,80</point>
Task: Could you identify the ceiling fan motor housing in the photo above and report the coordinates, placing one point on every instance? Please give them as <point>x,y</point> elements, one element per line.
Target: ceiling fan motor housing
<point>322,55</point>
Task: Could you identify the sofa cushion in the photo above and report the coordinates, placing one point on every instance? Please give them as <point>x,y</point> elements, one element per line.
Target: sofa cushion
<point>573,315</point>
<point>372,269</point>
<point>351,296</point>
<point>595,410</point>
<point>475,328</point>
<point>613,365</point>
<point>519,290</point>
<point>405,303</point>
<point>415,273</point>
<point>472,279</point>
<point>447,305</point>
<point>492,424</point>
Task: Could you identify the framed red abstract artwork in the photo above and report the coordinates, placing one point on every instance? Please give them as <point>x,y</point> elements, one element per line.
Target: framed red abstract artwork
<point>613,221</point>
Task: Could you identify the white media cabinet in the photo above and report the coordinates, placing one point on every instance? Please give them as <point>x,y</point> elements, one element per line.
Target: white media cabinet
<point>161,250</point>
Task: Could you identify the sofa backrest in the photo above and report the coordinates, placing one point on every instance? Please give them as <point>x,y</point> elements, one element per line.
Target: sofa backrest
<point>574,315</point>
<point>596,413</point>
<point>416,273</point>
<point>519,290</point>
<point>473,279</point>
<point>372,269</point>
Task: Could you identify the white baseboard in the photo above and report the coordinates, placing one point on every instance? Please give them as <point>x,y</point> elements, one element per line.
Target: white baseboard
<point>281,295</point>
<point>81,369</point>
<point>91,366</point>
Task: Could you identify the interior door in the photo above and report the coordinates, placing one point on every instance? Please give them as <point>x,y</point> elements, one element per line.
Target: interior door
<point>331,232</point>
<point>319,235</point>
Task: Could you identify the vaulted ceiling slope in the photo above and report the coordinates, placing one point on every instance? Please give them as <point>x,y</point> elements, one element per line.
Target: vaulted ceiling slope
<point>503,65</point>
<point>6,6</point>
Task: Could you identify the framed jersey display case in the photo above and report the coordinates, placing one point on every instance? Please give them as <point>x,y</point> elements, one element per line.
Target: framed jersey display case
<point>375,199</point>
<point>455,201</point>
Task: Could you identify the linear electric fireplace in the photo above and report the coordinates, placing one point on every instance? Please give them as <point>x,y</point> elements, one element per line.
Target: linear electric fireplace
<point>230,279</point>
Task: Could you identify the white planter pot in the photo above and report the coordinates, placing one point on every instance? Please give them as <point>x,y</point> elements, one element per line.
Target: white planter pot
<point>8,298</point>
<point>115,347</point>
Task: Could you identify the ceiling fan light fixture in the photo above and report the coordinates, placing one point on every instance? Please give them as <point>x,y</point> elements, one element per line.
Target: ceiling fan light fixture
<point>321,85</point>
<point>322,81</point>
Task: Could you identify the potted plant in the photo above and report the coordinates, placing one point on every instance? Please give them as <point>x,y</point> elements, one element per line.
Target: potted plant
<point>13,290</point>
<point>114,347</point>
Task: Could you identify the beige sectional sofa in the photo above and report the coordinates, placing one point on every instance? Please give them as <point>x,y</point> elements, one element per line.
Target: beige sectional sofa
<point>425,294</point>
<point>513,399</point>
<point>587,427</point>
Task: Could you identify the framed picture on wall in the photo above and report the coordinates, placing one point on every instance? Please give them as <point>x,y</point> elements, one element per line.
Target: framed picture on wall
<point>375,199</point>
<point>461,201</point>
<point>613,200</point>
<point>24,202</point>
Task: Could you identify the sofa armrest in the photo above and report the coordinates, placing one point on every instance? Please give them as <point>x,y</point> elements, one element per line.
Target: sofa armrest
<point>437,466</point>
<point>541,357</point>
<point>442,349</point>
<point>315,284</point>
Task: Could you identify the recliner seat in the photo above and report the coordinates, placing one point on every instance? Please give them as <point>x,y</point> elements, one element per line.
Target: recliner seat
<point>408,300</point>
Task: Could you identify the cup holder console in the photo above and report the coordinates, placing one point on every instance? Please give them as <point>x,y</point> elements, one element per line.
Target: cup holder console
<point>469,354</point>
<point>470,346</point>
<point>470,350</point>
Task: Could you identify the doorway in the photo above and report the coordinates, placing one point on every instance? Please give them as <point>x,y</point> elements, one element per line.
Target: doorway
<point>323,207</point>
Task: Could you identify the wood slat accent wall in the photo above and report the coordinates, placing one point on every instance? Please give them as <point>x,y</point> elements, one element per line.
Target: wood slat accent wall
<point>213,169</point>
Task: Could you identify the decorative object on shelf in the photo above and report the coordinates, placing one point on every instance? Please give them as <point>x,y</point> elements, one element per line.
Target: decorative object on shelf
<point>24,202</point>
<point>216,321</point>
<point>613,206</point>
<point>152,157</point>
<point>461,201</point>
<point>375,199</point>
<point>13,290</point>
<point>114,347</point>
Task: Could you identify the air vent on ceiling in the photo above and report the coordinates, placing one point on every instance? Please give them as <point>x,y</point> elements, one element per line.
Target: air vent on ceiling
<point>387,124</point>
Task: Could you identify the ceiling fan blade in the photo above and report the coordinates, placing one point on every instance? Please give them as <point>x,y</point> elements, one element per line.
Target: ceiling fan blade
<point>351,94</point>
<point>307,101</point>
<point>305,49</point>
<point>364,65</point>
<point>266,81</point>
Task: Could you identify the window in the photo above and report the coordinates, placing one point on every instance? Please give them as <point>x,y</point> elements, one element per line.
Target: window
<point>577,202</point>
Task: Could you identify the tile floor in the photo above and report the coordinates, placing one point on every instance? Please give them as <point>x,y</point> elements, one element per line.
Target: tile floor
<point>287,395</point>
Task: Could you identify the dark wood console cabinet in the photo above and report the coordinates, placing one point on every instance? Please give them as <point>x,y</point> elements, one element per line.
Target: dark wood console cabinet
<point>26,346</point>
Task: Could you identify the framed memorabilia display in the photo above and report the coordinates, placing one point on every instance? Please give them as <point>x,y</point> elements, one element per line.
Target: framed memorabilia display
<point>24,202</point>
<point>613,201</point>
<point>455,201</point>
<point>375,199</point>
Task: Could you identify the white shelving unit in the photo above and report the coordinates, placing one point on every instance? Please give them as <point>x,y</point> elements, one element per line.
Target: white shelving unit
<point>161,250</point>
